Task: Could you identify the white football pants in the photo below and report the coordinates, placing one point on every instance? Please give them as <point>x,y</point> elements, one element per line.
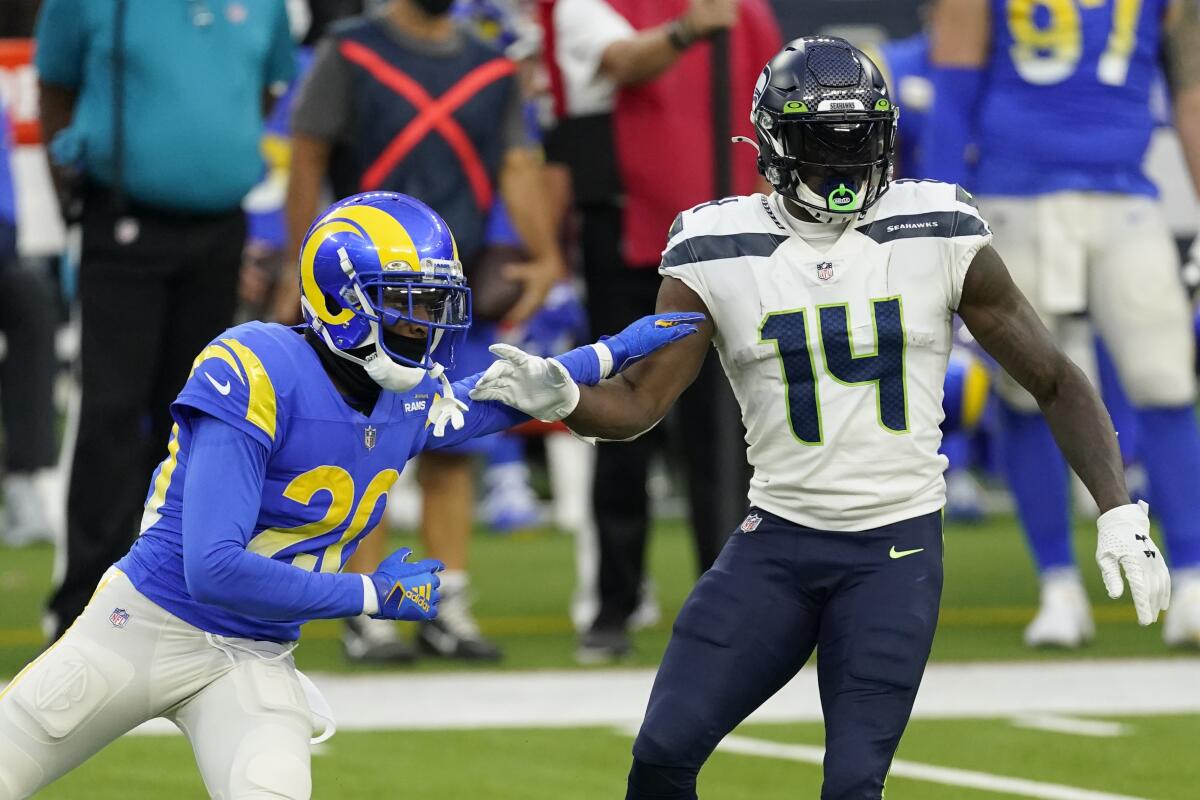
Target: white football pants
<point>1113,257</point>
<point>126,660</point>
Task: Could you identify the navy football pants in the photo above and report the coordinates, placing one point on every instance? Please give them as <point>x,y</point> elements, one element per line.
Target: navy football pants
<point>864,600</point>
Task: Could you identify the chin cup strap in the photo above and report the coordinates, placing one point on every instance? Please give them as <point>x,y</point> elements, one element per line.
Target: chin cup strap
<point>378,365</point>
<point>446,407</point>
<point>813,203</point>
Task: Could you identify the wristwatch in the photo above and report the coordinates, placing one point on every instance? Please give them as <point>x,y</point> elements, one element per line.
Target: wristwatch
<point>680,35</point>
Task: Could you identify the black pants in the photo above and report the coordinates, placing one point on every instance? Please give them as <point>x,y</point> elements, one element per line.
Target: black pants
<point>868,601</point>
<point>29,313</point>
<point>618,295</point>
<point>149,303</point>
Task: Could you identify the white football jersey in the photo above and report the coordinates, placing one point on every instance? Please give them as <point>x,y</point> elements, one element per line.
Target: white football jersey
<point>837,358</point>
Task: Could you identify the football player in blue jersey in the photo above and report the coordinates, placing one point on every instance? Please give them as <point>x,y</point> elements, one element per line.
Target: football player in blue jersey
<point>286,442</point>
<point>1055,96</point>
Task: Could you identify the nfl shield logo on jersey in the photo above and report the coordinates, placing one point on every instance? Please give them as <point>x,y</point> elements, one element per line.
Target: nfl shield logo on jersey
<point>370,436</point>
<point>751,523</point>
<point>825,270</point>
<point>118,617</point>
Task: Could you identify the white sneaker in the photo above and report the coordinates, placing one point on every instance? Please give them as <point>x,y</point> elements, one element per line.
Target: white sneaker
<point>27,517</point>
<point>1065,616</point>
<point>1182,625</point>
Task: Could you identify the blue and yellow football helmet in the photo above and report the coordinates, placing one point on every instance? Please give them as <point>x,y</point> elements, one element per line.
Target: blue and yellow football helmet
<point>372,262</point>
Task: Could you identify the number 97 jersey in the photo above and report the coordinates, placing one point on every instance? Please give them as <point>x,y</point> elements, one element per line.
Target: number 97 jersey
<point>837,357</point>
<point>1068,100</point>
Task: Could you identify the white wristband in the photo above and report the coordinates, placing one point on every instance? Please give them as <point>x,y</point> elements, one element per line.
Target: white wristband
<point>370,598</point>
<point>606,359</point>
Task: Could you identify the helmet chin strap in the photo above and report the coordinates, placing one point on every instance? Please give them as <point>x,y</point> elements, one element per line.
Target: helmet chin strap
<point>812,202</point>
<point>378,365</point>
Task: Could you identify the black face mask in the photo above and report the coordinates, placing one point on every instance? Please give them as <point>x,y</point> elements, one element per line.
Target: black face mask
<point>434,8</point>
<point>405,346</point>
<point>359,391</point>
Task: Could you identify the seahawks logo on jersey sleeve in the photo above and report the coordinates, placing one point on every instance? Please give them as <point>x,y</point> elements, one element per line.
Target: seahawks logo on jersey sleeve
<point>919,209</point>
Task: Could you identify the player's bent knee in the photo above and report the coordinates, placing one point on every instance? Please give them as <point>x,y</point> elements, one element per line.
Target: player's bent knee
<point>277,775</point>
<point>649,781</point>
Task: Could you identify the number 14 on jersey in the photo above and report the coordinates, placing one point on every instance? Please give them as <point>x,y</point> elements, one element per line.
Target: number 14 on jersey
<point>882,370</point>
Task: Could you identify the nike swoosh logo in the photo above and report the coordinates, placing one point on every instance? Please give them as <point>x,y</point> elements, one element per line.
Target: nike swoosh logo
<point>223,388</point>
<point>894,553</point>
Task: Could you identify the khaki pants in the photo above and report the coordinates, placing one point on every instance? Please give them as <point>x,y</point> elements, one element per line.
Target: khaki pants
<point>1113,257</point>
<point>126,660</point>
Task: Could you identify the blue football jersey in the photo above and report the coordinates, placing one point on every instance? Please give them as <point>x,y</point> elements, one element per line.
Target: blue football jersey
<point>328,471</point>
<point>1068,100</point>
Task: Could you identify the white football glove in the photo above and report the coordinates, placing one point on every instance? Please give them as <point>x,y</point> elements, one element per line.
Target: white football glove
<point>540,387</point>
<point>1123,542</point>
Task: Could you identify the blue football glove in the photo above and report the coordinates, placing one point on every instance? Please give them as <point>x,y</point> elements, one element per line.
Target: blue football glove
<point>647,335</point>
<point>407,591</point>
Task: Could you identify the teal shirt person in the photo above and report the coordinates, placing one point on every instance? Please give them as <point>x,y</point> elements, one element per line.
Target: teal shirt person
<point>194,76</point>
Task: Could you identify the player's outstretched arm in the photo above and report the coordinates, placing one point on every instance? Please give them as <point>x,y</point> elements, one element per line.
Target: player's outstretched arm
<point>636,400</point>
<point>662,353</point>
<point>1008,328</point>
<point>518,385</point>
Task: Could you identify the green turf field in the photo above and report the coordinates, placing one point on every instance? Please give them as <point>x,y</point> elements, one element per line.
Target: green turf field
<point>1156,760</point>
<point>523,584</point>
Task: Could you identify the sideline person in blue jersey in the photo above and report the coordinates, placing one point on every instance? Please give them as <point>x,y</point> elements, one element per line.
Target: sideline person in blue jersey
<point>1057,99</point>
<point>285,444</point>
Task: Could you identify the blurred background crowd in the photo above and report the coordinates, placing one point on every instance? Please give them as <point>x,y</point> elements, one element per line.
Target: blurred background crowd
<point>161,162</point>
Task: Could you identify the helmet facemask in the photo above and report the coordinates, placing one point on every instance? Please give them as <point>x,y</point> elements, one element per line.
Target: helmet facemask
<point>834,163</point>
<point>434,305</point>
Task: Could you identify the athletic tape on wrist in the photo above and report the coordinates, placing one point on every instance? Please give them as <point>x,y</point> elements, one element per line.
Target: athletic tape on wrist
<point>606,359</point>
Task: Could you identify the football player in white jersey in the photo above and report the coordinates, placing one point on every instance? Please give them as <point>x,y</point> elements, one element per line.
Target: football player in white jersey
<point>830,304</point>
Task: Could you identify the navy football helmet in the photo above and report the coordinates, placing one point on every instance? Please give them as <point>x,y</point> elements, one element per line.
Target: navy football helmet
<point>826,126</point>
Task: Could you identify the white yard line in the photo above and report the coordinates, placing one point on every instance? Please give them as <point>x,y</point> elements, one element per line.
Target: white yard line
<point>967,779</point>
<point>1074,726</point>
<point>397,701</point>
